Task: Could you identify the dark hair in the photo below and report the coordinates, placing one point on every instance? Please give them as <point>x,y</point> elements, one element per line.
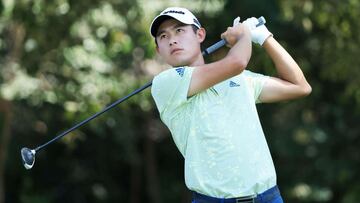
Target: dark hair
<point>193,27</point>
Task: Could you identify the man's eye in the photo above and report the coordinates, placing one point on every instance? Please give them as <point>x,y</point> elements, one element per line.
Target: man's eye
<point>179,30</point>
<point>162,36</point>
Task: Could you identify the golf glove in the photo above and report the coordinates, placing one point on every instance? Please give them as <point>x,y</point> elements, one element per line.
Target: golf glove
<point>258,34</point>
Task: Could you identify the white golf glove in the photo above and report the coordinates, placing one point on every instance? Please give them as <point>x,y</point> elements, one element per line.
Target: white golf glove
<point>258,34</point>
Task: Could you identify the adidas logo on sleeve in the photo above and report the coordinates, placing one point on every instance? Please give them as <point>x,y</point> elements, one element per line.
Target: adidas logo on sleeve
<point>233,84</point>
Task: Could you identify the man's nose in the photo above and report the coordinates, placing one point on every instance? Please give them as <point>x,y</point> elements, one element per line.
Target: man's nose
<point>172,41</point>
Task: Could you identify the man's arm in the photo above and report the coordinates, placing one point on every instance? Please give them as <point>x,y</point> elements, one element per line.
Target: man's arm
<point>290,82</point>
<point>206,76</point>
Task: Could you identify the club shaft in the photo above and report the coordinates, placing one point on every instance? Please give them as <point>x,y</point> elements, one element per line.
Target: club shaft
<point>94,116</point>
<point>206,52</point>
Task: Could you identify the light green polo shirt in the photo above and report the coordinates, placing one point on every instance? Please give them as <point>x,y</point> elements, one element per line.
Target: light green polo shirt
<point>218,132</point>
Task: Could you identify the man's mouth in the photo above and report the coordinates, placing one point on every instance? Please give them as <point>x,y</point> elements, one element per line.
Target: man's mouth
<point>175,50</point>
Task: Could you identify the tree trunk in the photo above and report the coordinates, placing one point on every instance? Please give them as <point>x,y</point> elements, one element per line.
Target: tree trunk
<point>135,183</point>
<point>151,173</point>
<point>14,38</point>
<point>186,196</point>
<point>5,117</point>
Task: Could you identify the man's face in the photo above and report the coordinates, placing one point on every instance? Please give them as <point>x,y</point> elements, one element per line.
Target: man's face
<point>177,43</point>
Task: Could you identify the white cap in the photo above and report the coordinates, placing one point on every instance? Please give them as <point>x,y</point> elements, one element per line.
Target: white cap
<point>181,14</point>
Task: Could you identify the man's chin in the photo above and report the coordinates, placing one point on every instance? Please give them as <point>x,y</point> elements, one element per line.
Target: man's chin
<point>179,64</point>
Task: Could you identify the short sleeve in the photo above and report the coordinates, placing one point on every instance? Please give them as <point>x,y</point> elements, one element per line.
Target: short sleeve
<point>256,82</point>
<point>170,88</point>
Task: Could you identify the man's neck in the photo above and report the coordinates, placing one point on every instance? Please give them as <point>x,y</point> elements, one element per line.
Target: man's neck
<point>198,61</point>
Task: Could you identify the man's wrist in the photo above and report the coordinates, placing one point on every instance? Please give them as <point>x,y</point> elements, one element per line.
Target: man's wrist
<point>266,39</point>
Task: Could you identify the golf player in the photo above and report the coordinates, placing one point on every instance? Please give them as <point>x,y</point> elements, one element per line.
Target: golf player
<point>210,109</point>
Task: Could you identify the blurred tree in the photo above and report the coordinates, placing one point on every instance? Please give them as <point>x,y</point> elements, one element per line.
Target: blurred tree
<point>61,62</point>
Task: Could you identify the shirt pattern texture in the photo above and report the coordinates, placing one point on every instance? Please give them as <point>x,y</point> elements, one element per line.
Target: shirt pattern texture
<point>218,132</point>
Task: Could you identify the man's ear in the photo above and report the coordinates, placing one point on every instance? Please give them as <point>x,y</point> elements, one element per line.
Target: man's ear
<point>201,34</point>
<point>157,49</point>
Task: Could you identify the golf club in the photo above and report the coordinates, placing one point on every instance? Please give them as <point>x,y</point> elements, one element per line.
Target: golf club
<point>28,155</point>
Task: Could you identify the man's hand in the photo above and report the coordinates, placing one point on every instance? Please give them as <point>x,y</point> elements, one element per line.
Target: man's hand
<point>258,34</point>
<point>233,34</point>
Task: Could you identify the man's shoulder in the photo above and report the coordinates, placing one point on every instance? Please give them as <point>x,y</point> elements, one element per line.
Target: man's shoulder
<point>173,70</point>
<point>170,79</point>
<point>248,73</point>
<point>172,73</point>
<point>251,76</point>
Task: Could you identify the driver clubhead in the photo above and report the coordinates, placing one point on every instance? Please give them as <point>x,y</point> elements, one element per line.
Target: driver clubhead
<point>28,157</point>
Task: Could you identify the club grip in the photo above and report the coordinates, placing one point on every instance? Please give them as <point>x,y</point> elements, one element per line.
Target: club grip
<point>222,42</point>
<point>214,47</point>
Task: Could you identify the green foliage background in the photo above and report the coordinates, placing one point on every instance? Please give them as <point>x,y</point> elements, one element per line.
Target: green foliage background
<point>62,61</point>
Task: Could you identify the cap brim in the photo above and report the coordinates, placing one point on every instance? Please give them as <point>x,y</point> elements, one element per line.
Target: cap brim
<point>156,23</point>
